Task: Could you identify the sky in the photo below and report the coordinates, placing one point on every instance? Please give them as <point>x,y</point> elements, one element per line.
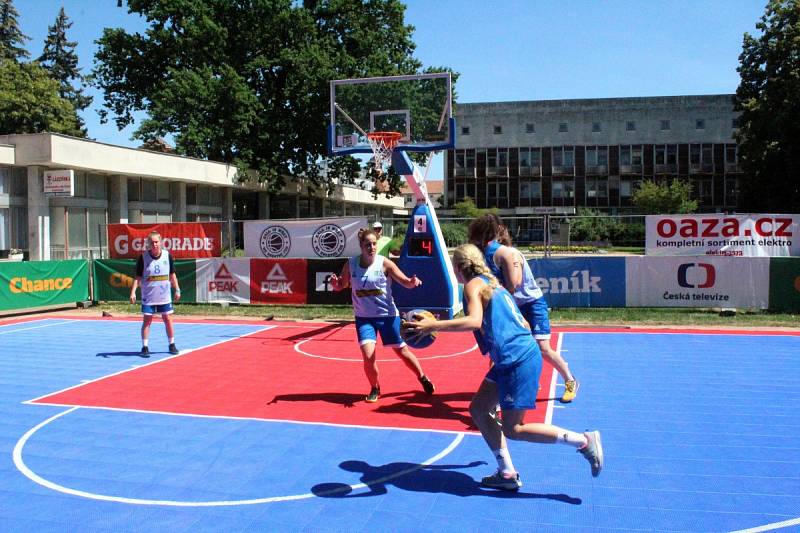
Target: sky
<point>507,50</point>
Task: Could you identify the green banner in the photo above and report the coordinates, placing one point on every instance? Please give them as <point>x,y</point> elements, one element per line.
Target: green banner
<point>30,284</point>
<point>784,284</point>
<point>113,279</point>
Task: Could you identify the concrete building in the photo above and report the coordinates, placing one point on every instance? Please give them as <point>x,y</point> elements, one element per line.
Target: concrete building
<point>119,184</point>
<point>558,155</point>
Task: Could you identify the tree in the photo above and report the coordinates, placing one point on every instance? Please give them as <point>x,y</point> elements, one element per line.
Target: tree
<point>12,40</point>
<point>674,197</point>
<point>466,208</point>
<point>29,101</point>
<point>246,81</point>
<point>60,59</point>
<point>768,98</point>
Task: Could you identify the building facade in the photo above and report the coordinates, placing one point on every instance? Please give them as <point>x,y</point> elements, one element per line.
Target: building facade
<point>558,155</point>
<point>116,184</point>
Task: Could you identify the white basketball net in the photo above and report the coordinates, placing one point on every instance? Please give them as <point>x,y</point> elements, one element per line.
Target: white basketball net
<point>382,149</point>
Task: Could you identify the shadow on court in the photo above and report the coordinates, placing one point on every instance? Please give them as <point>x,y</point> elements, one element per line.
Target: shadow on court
<point>444,479</point>
<point>123,354</point>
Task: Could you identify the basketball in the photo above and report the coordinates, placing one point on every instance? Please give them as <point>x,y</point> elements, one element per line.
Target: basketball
<point>417,340</point>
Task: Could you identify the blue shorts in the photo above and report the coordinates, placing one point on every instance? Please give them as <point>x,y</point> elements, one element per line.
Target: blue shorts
<point>518,384</point>
<point>535,313</point>
<point>164,309</point>
<point>388,326</point>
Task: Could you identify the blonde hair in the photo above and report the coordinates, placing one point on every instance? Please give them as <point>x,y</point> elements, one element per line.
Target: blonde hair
<point>468,259</point>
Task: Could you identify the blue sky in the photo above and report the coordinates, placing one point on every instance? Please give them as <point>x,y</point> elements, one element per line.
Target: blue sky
<point>507,50</point>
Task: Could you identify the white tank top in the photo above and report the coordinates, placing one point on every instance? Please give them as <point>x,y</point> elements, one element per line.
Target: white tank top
<point>371,289</point>
<point>155,279</point>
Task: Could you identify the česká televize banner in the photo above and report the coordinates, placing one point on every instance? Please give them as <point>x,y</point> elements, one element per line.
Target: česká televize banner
<point>746,235</point>
<point>30,284</point>
<point>184,240</point>
<point>307,238</point>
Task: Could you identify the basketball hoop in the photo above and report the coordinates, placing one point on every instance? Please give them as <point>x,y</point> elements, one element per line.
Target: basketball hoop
<point>383,144</point>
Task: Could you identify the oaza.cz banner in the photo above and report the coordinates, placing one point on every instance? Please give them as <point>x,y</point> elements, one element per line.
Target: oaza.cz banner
<point>38,283</point>
<point>723,235</point>
<point>305,238</point>
<point>184,240</point>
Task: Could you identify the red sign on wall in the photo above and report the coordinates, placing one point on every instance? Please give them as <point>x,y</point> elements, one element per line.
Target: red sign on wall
<point>184,240</point>
<point>278,281</point>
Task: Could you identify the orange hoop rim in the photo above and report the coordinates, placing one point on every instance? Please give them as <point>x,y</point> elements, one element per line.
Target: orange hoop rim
<point>389,139</point>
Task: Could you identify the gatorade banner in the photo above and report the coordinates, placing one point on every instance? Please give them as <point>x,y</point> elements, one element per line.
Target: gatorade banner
<point>113,279</point>
<point>784,284</point>
<point>319,282</point>
<point>308,238</point>
<point>278,281</point>
<point>30,284</point>
<point>223,280</point>
<point>182,239</point>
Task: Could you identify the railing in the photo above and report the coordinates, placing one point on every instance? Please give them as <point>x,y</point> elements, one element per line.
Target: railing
<point>670,168</point>
<point>630,169</point>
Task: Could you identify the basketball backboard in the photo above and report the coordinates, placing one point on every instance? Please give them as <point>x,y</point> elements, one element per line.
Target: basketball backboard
<point>419,107</point>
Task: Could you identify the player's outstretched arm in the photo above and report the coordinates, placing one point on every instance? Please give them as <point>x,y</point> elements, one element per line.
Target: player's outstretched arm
<point>394,272</point>
<point>342,281</point>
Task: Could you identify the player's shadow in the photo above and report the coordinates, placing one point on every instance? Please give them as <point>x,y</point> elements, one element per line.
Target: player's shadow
<point>121,354</point>
<point>339,398</point>
<point>328,328</point>
<point>444,479</point>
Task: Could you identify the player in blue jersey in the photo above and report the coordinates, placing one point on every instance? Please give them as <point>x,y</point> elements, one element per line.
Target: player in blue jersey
<point>155,271</point>
<point>512,270</point>
<point>512,381</point>
<point>370,278</point>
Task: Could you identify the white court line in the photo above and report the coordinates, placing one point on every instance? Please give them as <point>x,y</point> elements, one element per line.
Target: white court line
<point>30,474</point>
<point>34,327</point>
<point>359,360</point>
<point>136,367</point>
<point>548,417</point>
<point>770,527</point>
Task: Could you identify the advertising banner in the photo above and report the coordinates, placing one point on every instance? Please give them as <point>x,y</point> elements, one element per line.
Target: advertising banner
<point>784,284</point>
<point>113,279</point>
<point>278,281</point>
<point>723,235</point>
<point>581,281</point>
<point>38,283</point>
<point>223,280</point>
<point>182,239</point>
<point>319,282</point>
<point>59,183</point>
<point>328,238</point>
<point>740,282</point>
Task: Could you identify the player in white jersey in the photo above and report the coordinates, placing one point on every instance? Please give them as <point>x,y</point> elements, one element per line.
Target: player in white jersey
<point>155,272</point>
<point>370,278</point>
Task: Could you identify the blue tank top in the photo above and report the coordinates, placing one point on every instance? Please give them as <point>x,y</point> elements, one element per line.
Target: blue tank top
<point>371,289</point>
<point>528,291</point>
<point>503,334</point>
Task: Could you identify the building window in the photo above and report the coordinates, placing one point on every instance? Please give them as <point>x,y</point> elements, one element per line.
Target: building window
<point>596,188</point>
<point>596,126</point>
<point>630,159</point>
<point>665,125</point>
<point>628,187</point>
<point>596,159</point>
<point>530,127</point>
<point>530,190</point>
<point>464,130</point>
<point>630,125</point>
<point>134,189</point>
<point>80,184</point>
<point>700,158</point>
<point>563,189</point>
<point>666,158</point>
<point>563,127</point>
<point>735,123</point>
<point>96,187</point>
<point>530,161</point>
<point>498,130</point>
<point>163,191</point>
<point>563,160</point>
<point>700,124</point>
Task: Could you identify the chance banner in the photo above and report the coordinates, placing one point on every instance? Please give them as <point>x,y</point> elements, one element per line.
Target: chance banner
<point>723,235</point>
<point>39,283</point>
<point>184,240</point>
<point>303,239</point>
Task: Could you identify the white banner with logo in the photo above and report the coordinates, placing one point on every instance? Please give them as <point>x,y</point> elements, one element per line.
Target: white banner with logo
<point>746,235</point>
<point>704,281</point>
<point>223,280</point>
<point>303,238</point>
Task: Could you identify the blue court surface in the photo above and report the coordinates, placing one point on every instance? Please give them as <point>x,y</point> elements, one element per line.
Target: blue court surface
<point>701,432</point>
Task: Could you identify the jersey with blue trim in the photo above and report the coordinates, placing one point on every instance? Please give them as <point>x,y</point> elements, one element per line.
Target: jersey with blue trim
<point>528,291</point>
<point>371,289</point>
<point>503,334</point>
<point>156,286</point>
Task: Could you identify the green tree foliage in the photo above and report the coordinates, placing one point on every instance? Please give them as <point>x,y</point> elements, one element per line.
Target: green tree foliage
<point>12,40</point>
<point>593,225</point>
<point>59,58</point>
<point>29,101</point>
<point>246,81</point>
<point>666,198</point>
<point>768,98</point>
<point>466,208</point>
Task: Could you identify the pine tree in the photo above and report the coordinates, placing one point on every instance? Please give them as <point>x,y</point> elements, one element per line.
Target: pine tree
<point>60,59</point>
<point>12,40</point>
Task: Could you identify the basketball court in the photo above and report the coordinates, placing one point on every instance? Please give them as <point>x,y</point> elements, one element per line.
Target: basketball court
<point>257,427</point>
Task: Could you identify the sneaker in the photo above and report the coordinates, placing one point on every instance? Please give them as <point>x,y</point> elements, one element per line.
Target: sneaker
<point>145,352</point>
<point>570,390</point>
<point>593,452</point>
<point>173,349</point>
<point>374,394</point>
<point>427,385</point>
<point>498,480</point>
